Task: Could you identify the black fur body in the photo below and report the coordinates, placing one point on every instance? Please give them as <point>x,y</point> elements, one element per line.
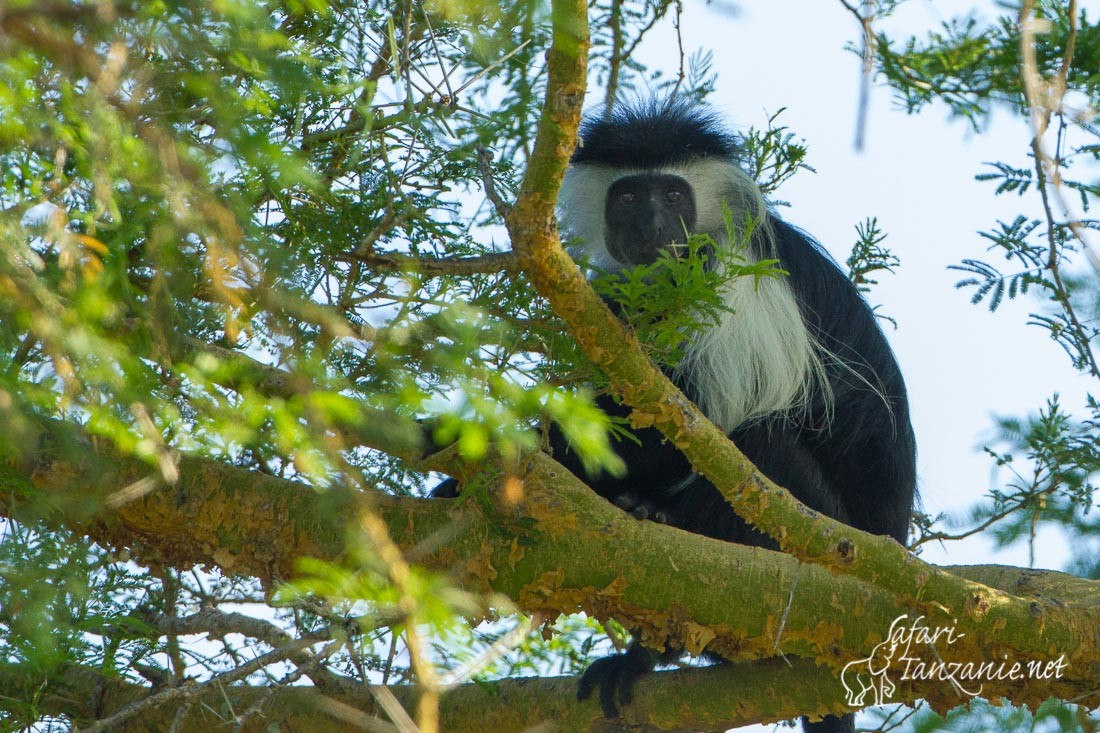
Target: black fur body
<point>853,459</point>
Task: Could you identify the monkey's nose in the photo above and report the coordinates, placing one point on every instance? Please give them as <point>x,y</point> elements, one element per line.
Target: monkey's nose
<point>658,224</point>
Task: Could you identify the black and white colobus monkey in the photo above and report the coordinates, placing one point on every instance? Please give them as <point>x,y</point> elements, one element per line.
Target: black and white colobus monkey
<point>798,373</point>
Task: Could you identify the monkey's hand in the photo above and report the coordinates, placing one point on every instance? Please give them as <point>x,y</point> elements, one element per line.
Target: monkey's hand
<point>616,674</point>
<point>642,508</point>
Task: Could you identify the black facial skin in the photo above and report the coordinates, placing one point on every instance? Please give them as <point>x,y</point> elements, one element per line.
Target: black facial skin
<point>645,213</point>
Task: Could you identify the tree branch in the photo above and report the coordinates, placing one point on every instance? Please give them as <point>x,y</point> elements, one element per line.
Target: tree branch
<point>578,552</point>
<point>398,262</point>
<point>504,706</point>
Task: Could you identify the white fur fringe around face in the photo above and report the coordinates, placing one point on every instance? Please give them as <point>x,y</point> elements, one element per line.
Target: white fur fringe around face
<point>760,359</point>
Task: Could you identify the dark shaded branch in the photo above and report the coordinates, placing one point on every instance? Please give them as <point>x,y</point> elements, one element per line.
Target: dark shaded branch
<point>484,164</point>
<point>765,691</point>
<point>397,262</point>
<point>186,692</point>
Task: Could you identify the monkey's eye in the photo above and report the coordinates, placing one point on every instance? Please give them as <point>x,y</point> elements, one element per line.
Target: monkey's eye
<point>628,198</point>
<point>674,195</point>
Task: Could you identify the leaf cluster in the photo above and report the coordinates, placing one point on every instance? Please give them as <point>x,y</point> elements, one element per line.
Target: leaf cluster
<point>972,66</point>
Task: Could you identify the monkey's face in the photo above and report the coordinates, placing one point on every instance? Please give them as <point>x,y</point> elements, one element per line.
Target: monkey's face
<point>646,213</point>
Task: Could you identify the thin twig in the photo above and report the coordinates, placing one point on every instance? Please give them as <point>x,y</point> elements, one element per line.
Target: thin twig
<point>494,651</point>
<point>658,13</point>
<point>439,59</point>
<point>484,163</point>
<point>614,62</point>
<point>491,66</point>
<point>786,611</point>
<point>180,719</point>
<point>187,692</point>
<point>354,716</point>
<point>302,670</point>
<point>866,18</point>
<point>392,707</point>
<point>677,25</point>
<point>481,264</point>
<point>990,521</point>
<point>1042,98</point>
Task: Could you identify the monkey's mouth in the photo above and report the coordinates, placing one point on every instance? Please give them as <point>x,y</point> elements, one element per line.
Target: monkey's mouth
<point>647,254</point>
<point>631,254</point>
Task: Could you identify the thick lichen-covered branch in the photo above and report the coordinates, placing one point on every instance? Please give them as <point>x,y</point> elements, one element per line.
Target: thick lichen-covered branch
<point>574,552</point>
